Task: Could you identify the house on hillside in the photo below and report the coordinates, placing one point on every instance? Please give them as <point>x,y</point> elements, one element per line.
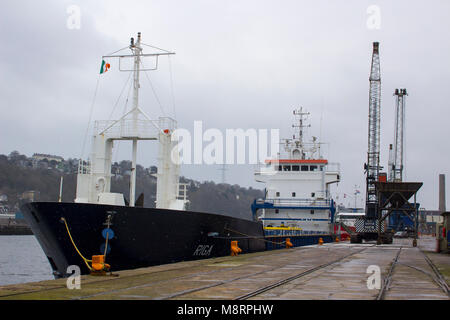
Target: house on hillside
<point>39,157</point>
<point>46,160</point>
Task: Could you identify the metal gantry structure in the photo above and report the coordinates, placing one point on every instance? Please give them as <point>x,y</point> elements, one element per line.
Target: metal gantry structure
<point>394,196</point>
<point>404,218</point>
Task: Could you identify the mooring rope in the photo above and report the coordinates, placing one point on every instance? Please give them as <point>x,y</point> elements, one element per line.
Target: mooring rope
<point>86,261</point>
<point>75,246</point>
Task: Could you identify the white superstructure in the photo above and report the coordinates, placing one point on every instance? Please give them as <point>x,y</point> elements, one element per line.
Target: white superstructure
<point>297,192</point>
<point>94,176</point>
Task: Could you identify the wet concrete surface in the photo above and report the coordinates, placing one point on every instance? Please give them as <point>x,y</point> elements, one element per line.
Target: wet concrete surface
<point>330,271</point>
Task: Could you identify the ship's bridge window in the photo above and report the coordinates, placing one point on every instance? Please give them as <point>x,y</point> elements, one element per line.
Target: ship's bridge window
<point>286,168</point>
<point>313,168</point>
<point>293,194</point>
<point>305,168</point>
<point>295,168</point>
<point>277,194</point>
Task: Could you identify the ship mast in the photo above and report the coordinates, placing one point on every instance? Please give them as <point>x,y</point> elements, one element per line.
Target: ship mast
<point>137,52</point>
<point>298,138</point>
<point>133,126</point>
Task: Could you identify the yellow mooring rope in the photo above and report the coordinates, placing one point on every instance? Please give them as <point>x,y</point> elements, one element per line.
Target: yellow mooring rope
<point>106,244</point>
<point>74,245</point>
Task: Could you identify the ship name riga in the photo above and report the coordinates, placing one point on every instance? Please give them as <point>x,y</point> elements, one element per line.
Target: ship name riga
<point>203,250</point>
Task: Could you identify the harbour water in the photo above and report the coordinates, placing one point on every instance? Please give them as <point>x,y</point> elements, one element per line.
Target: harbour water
<point>22,260</point>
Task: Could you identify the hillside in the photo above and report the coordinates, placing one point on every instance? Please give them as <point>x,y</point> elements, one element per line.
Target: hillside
<point>19,174</point>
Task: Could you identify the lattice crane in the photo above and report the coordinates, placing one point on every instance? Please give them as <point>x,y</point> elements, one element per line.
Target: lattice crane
<point>372,166</point>
<point>367,227</point>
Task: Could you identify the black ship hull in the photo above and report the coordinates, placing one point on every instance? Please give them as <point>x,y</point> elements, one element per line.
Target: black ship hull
<point>142,237</point>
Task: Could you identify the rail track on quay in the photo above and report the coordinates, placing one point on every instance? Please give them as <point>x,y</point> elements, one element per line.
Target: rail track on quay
<point>435,276</point>
<point>217,283</point>
<point>270,286</point>
<point>295,277</point>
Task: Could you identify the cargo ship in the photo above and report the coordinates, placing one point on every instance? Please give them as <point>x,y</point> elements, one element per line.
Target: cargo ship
<point>298,206</point>
<point>103,231</point>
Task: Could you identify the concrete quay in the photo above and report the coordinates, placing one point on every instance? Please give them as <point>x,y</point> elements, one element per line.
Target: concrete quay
<point>331,271</point>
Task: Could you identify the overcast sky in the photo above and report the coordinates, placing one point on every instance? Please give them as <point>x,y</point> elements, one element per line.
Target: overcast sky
<point>238,64</point>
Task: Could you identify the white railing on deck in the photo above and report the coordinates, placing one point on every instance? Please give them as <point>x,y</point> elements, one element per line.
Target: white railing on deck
<point>129,128</point>
<point>296,202</point>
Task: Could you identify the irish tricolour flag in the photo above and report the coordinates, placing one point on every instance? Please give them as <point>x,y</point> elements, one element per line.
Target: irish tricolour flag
<point>105,67</point>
